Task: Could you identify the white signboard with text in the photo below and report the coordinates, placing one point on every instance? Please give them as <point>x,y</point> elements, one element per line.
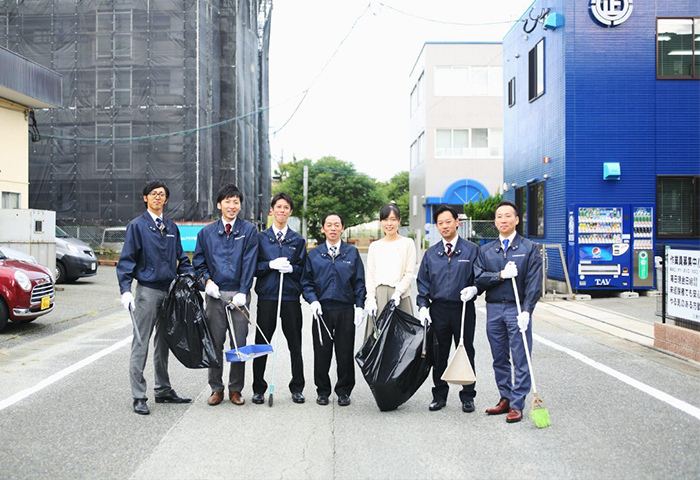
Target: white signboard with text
<point>683,284</point>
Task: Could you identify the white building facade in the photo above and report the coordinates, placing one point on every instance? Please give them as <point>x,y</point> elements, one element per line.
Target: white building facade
<point>456,137</point>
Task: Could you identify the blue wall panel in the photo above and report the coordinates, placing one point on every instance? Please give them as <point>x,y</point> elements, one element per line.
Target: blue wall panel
<point>602,103</point>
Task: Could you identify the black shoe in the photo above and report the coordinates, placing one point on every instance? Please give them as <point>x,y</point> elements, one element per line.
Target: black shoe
<point>298,397</point>
<point>437,405</point>
<point>172,397</point>
<point>468,406</point>
<point>344,400</point>
<point>322,399</point>
<point>140,406</point>
<point>258,398</point>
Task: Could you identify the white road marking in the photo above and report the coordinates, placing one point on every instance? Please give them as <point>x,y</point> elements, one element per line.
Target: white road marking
<point>658,394</point>
<point>643,387</point>
<point>21,395</point>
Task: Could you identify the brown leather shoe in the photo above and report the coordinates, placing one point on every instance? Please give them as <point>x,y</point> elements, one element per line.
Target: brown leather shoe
<point>215,398</point>
<point>236,398</point>
<point>514,415</point>
<point>502,407</point>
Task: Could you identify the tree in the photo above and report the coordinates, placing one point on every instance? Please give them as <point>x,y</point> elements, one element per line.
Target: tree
<point>483,208</point>
<point>334,186</point>
<point>396,190</point>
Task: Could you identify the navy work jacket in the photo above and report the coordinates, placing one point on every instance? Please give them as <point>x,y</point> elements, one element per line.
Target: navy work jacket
<point>335,282</point>
<point>227,260</point>
<point>293,247</point>
<point>492,259</point>
<point>441,278</point>
<point>151,257</point>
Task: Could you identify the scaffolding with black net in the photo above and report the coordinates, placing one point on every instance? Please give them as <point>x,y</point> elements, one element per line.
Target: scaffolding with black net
<point>169,90</point>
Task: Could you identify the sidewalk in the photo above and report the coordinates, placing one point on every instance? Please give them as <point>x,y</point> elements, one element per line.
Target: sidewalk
<point>588,313</point>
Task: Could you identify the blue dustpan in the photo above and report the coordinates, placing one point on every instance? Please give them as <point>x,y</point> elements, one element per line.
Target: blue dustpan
<point>248,352</point>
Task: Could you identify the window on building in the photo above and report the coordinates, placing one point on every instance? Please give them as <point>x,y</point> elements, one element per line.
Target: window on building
<point>414,100</point>
<point>414,154</point>
<point>421,88</point>
<point>511,92</point>
<point>466,143</point>
<point>421,148</point>
<point>451,142</point>
<point>678,48</point>
<point>535,205</point>
<point>678,207</point>
<point>496,142</point>
<point>536,71</point>
<point>521,204</point>
<point>10,200</point>
<point>414,205</point>
<point>114,155</point>
<point>465,81</point>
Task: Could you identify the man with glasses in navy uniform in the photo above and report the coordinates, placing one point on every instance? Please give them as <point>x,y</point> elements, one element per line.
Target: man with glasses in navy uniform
<point>153,256</point>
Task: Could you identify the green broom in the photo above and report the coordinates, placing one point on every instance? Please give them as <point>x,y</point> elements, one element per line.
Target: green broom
<point>538,411</point>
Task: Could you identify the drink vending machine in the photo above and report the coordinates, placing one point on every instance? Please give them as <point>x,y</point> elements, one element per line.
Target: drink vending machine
<point>611,246</point>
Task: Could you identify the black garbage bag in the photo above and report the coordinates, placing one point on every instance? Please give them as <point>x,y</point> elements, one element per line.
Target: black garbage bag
<point>185,324</point>
<point>390,358</point>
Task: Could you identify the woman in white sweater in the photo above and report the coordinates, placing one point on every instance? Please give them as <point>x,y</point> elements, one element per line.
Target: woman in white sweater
<point>391,263</point>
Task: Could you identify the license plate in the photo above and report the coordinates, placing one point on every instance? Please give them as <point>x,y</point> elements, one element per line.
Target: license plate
<point>45,302</point>
<point>93,266</point>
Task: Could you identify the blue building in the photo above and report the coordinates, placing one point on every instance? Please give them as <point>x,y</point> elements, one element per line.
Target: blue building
<point>602,108</point>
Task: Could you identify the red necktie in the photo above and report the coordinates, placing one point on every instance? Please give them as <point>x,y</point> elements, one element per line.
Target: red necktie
<point>449,249</point>
<point>228,229</point>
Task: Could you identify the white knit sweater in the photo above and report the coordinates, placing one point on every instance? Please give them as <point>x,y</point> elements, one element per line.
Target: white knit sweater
<point>392,264</point>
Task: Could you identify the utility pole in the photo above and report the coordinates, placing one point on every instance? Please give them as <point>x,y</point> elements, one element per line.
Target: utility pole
<point>306,201</point>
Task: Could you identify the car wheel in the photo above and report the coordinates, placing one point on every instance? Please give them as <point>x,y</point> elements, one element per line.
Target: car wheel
<point>4,314</point>
<point>60,273</point>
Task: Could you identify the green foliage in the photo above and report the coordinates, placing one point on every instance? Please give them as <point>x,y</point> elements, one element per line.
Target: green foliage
<point>334,186</point>
<point>483,208</point>
<point>396,190</point>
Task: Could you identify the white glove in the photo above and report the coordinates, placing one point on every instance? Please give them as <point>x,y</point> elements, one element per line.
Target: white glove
<point>511,271</point>
<point>239,299</point>
<point>278,263</point>
<point>287,268</point>
<point>396,297</point>
<point>523,321</point>
<point>316,309</point>
<point>212,289</point>
<point>424,315</point>
<point>371,307</point>
<point>359,316</point>
<point>468,293</point>
<point>128,300</point>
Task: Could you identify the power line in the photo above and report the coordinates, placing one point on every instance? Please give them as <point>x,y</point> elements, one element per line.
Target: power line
<point>445,22</point>
<point>155,137</point>
<point>306,92</point>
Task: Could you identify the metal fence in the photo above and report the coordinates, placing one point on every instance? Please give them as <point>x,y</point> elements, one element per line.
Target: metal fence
<point>478,231</point>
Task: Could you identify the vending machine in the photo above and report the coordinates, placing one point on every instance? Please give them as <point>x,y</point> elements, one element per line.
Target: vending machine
<point>611,246</point>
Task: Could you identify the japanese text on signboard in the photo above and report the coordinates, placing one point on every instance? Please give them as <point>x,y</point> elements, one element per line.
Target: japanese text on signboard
<point>683,284</point>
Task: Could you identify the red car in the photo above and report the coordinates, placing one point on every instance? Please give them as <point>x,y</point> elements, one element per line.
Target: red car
<point>26,291</point>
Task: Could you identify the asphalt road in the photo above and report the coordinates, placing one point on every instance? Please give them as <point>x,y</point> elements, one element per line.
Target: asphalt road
<point>78,423</point>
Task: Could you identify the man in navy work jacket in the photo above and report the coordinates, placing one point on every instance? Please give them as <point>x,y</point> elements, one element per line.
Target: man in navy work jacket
<point>334,285</point>
<point>511,256</point>
<point>225,256</point>
<point>280,250</point>
<point>445,280</point>
<point>152,255</point>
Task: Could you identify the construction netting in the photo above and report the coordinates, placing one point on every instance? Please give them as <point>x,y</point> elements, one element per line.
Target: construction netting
<point>146,86</point>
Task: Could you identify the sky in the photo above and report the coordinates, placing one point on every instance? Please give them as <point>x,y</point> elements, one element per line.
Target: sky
<point>357,109</point>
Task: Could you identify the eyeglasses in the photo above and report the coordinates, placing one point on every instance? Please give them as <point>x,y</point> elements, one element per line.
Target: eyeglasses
<point>157,194</point>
